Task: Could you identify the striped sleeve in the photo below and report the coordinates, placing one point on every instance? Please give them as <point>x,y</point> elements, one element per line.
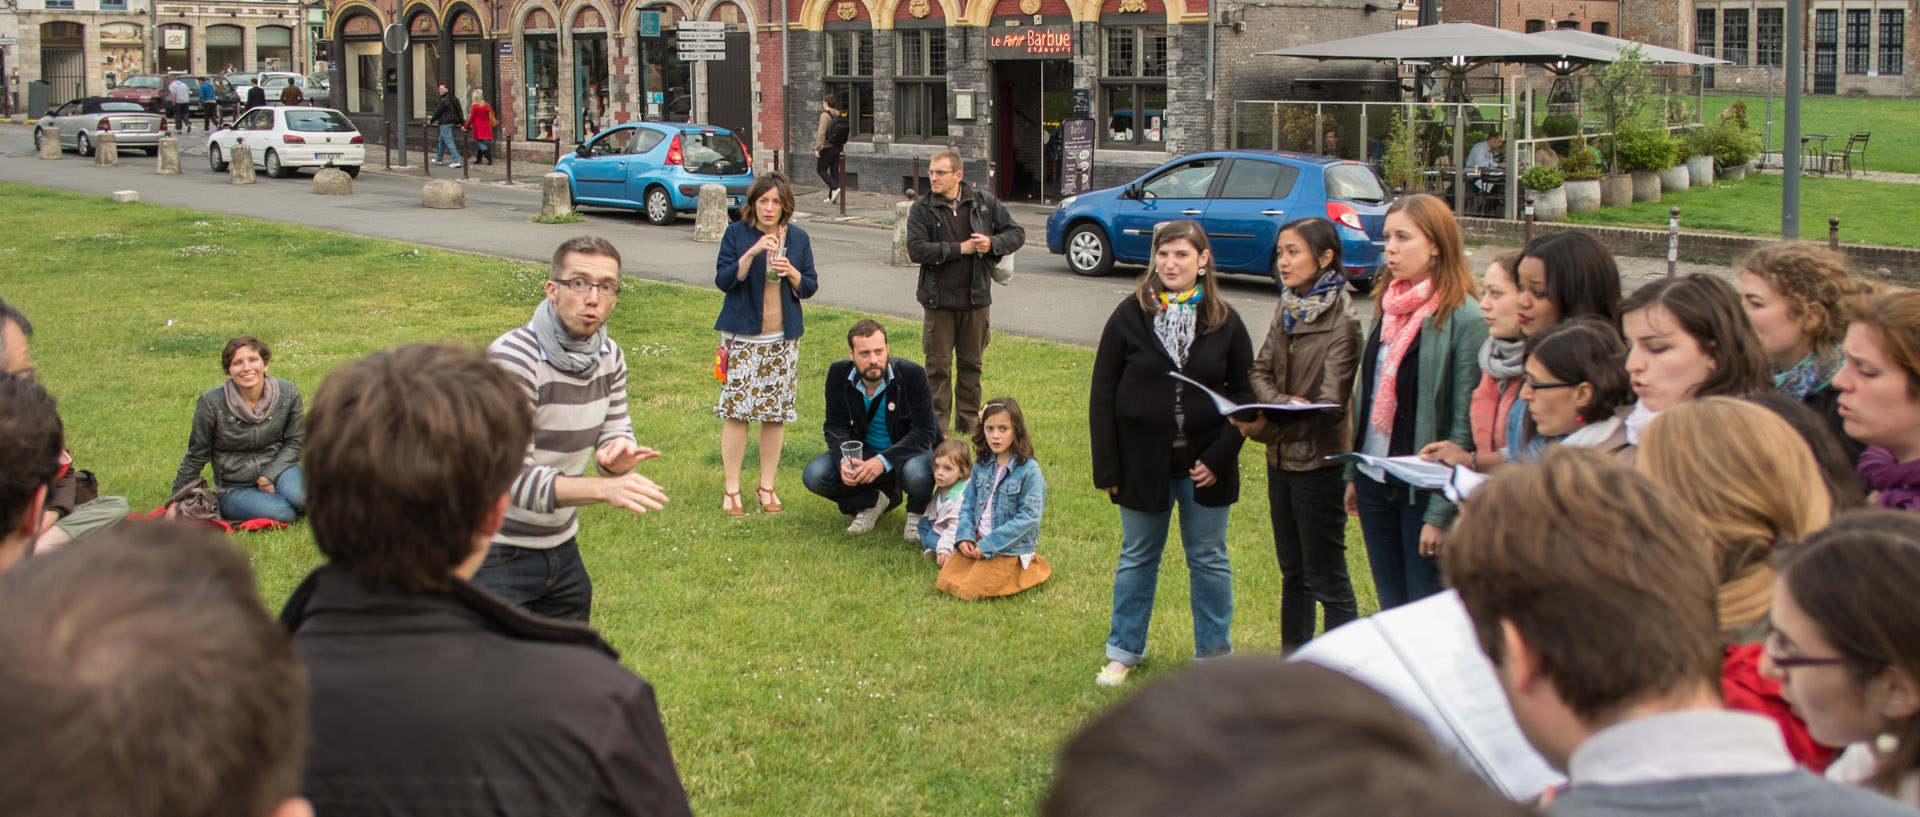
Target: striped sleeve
<point>618,424</point>
<point>516,354</point>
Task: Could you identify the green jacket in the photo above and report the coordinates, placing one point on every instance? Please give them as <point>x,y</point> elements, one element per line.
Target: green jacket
<point>1449,371</point>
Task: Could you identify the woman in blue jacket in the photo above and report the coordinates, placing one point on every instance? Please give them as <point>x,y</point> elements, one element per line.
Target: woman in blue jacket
<point>765,267</point>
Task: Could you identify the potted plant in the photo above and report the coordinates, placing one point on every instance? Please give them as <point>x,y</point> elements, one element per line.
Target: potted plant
<point>1643,154</point>
<point>1619,93</point>
<point>1582,179</point>
<point>1731,143</point>
<point>1676,178</point>
<point>1699,159</point>
<point>1559,126</point>
<point>1549,193</point>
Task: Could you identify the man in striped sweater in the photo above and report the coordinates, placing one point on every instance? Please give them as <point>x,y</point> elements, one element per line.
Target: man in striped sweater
<point>577,380</point>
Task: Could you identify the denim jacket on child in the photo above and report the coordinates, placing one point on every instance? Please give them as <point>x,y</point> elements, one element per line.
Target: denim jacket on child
<point>1016,510</point>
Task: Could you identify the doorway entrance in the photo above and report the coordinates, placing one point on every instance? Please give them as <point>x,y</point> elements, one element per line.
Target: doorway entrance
<point>1030,99</point>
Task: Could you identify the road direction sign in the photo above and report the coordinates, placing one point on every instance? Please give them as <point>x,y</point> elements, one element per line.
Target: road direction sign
<point>698,25</point>
<point>702,45</point>
<point>701,56</point>
<point>702,34</point>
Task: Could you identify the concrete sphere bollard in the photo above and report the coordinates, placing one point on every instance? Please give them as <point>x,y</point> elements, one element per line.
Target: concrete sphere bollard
<point>169,156</point>
<point>556,196</point>
<point>106,150</point>
<point>441,194</point>
<point>50,143</point>
<point>332,181</point>
<point>710,221</point>
<point>901,212</point>
<point>240,166</point>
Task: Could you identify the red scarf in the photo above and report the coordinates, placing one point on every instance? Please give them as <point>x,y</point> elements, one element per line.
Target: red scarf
<point>1404,307</point>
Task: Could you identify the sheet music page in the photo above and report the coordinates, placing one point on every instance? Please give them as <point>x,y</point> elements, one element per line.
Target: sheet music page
<point>1358,651</point>
<point>1434,639</point>
<point>1427,476</point>
<point>1227,407</point>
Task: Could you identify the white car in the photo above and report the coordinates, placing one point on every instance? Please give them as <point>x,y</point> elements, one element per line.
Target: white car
<point>283,139</point>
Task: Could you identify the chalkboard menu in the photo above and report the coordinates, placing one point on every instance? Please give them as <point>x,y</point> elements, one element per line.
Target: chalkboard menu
<point>1076,156</point>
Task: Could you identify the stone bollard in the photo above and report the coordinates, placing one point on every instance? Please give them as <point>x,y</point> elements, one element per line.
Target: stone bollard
<point>169,156</point>
<point>556,196</point>
<point>332,181</point>
<point>106,150</point>
<point>710,221</point>
<point>442,194</point>
<point>901,212</point>
<point>240,166</point>
<point>49,143</point>
<point>124,196</point>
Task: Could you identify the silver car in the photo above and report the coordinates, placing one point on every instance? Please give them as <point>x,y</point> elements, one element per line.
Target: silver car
<point>81,121</point>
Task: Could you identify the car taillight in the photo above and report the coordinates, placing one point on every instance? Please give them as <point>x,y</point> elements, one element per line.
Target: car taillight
<point>743,152</point>
<point>103,124</point>
<point>293,140</point>
<point>1344,214</point>
<point>357,139</point>
<point>673,151</point>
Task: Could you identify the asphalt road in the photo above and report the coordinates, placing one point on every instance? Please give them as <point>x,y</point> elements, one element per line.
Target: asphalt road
<point>1045,300</point>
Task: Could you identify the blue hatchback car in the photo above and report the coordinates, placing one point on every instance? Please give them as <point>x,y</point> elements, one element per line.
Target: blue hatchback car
<point>1241,198</point>
<point>657,168</point>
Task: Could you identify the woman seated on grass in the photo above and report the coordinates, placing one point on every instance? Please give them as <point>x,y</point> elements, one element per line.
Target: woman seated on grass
<point>249,428</point>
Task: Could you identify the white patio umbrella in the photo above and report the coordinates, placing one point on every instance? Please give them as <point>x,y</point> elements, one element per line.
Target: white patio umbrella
<point>1653,53</point>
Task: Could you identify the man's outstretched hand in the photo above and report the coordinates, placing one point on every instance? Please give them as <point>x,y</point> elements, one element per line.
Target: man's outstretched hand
<point>620,455</point>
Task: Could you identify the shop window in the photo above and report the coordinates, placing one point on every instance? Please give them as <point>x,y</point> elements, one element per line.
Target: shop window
<point>589,84</point>
<point>1536,26</point>
<point>273,49</point>
<point>1769,35</point>
<point>1893,32</point>
<point>1859,40</point>
<point>1601,27</point>
<point>543,86</point>
<point>1733,36</point>
<point>1133,85</point>
<point>666,83</point>
<point>176,49</point>
<point>363,77</point>
<point>1704,21</point>
<point>424,72</point>
<point>225,48</point>
<point>920,94</point>
<point>850,77</point>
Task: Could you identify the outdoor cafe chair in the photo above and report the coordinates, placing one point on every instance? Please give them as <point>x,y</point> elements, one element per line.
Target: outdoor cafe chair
<point>1856,146</point>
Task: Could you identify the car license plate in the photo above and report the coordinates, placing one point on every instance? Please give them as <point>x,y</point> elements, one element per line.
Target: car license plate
<point>136,126</point>
<point>733,201</point>
<point>326,156</point>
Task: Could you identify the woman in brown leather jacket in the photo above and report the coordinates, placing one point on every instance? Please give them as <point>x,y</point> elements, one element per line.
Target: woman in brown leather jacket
<point>1311,355</point>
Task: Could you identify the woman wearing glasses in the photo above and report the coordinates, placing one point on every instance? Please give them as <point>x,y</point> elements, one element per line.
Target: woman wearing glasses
<point>765,268</point>
<point>1574,390</point>
<point>1753,483</point>
<point>1845,647</point>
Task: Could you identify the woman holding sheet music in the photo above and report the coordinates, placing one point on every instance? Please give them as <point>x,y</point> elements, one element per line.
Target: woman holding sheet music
<point>1158,442</point>
<point>1311,355</point>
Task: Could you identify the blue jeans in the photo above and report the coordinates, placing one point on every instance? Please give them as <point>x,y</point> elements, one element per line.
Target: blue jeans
<point>1203,532</point>
<point>915,477</point>
<point>288,500</point>
<point>549,582</point>
<point>446,144</point>
<point>1391,515</point>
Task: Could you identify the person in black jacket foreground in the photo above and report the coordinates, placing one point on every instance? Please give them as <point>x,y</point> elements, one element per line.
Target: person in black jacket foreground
<point>884,404</point>
<point>430,695</point>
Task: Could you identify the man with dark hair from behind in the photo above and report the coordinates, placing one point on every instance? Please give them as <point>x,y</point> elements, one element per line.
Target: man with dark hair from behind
<point>1595,601</point>
<point>1261,736</point>
<point>30,440</point>
<point>139,675</point>
<point>431,696</point>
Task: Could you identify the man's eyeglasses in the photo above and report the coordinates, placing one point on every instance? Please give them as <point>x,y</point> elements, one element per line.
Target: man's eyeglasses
<point>581,285</point>
<point>1775,646</point>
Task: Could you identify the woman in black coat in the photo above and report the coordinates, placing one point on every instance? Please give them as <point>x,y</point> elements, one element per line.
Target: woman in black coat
<point>1159,442</point>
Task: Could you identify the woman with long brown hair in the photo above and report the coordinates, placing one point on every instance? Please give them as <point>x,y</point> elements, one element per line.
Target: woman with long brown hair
<point>1419,368</point>
<point>1160,443</point>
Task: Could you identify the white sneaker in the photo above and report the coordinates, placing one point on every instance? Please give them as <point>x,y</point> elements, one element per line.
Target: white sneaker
<point>455,164</point>
<point>912,531</point>
<point>864,520</point>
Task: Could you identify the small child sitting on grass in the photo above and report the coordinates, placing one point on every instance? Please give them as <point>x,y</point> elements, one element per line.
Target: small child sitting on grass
<point>999,524</point>
<point>940,521</point>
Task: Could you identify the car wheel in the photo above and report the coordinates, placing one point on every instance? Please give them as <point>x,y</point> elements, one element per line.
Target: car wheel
<point>275,170</point>
<point>353,171</point>
<point>660,206</point>
<point>83,145</point>
<point>215,160</point>
<point>1089,252</point>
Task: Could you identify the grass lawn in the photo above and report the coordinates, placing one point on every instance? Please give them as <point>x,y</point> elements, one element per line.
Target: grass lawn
<point>1869,212</point>
<point>801,671</point>
<point>1894,123</point>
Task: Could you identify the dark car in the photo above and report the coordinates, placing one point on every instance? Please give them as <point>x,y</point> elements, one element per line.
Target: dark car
<point>150,90</point>
<point>1241,198</point>
<point>223,92</point>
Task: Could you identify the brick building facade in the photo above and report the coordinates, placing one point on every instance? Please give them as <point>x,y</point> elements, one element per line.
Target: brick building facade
<point>1864,47</point>
<point>84,47</point>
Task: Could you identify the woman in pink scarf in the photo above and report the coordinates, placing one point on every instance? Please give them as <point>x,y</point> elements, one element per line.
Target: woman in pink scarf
<point>1418,372</point>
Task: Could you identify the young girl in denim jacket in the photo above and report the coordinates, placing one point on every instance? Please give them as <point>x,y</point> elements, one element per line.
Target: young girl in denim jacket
<point>999,525</point>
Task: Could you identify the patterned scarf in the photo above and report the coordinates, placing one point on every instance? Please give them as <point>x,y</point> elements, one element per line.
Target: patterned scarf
<point>1404,306</point>
<point>1813,373</point>
<point>1174,324</point>
<point>1307,308</point>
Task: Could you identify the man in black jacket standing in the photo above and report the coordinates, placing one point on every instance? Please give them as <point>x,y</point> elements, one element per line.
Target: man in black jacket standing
<point>448,116</point>
<point>884,404</point>
<point>957,233</point>
<point>432,697</point>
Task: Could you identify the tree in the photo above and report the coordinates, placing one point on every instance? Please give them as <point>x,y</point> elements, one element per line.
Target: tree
<point>1620,93</point>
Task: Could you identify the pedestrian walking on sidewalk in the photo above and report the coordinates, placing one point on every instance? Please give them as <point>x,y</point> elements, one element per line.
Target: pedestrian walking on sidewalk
<point>481,121</point>
<point>829,142</point>
<point>446,114</point>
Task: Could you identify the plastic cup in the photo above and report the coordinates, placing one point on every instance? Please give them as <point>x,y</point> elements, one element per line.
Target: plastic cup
<point>852,453</point>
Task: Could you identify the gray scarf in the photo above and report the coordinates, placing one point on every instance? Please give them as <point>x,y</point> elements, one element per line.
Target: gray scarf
<point>1503,360</point>
<point>269,395</point>
<point>574,357</point>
